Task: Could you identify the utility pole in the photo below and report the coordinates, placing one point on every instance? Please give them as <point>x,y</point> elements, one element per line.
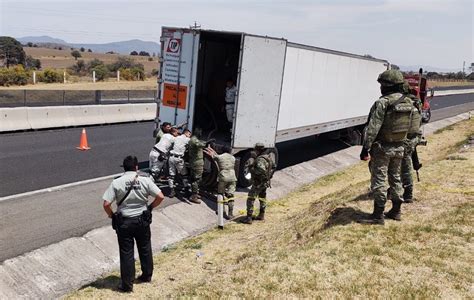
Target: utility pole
<point>464,67</point>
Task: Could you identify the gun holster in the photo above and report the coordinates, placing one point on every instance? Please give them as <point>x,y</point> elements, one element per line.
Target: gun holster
<point>117,220</point>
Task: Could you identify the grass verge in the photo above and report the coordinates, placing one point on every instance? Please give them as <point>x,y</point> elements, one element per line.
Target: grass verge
<point>311,245</point>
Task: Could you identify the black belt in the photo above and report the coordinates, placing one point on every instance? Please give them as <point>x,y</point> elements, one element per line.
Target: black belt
<point>412,135</point>
<point>177,155</point>
<point>159,151</point>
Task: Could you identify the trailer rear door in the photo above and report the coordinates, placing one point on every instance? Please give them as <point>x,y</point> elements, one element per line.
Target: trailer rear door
<point>178,75</point>
<point>260,79</point>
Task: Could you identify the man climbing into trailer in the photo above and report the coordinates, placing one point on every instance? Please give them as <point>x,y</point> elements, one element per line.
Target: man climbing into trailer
<point>230,95</point>
<point>176,168</point>
<point>159,153</point>
<point>196,164</point>
<point>164,128</point>
<point>384,139</point>
<point>262,172</point>
<point>227,180</point>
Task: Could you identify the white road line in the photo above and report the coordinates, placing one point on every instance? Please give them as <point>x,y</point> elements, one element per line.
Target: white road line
<point>58,188</point>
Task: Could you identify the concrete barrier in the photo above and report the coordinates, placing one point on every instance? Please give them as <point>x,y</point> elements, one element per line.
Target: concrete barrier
<point>144,111</point>
<point>117,113</point>
<point>48,117</point>
<point>15,118</point>
<point>86,115</point>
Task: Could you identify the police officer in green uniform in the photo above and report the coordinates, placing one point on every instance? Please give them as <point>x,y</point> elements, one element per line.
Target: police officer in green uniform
<point>227,180</point>
<point>261,171</point>
<point>132,220</point>
<point>384,138</point>
<point>414,136</point>
<point>196,163</point>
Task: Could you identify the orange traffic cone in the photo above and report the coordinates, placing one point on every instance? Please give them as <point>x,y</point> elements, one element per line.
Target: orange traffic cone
<point>83,144</point>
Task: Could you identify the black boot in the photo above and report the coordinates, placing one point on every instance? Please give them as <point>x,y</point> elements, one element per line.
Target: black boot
<point>376,218</point>
<point>394,213</point>
<point>230,210</point>
<point>408,194</point>
<point>248,218</point>
<point>261,214</point>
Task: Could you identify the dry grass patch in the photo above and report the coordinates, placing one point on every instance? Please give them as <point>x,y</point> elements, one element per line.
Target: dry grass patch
<point>311,245</point>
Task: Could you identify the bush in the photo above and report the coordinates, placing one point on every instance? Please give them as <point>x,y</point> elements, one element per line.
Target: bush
<point>150,58</point>
<point>79,68</point>
<point>32,63</point>
<point>50,76</point>
<point>13,76</point>
<point>122,63</point>
<point>76,54</point>
<point>144,53</point>
<point>134,53</point>
<point>101,72</point>
<point>154,72</point>
<point>132,74</point>
<point>94,63</point>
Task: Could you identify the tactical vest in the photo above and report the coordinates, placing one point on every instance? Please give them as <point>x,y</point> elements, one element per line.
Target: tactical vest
<point>226,162</point>
<point>415,117</point>
<point>397,120</point>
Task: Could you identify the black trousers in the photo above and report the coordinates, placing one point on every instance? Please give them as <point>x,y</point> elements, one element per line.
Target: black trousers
<point>130,230</point>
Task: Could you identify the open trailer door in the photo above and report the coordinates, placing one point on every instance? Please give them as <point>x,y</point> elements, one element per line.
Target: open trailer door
<point>260,80</point>
<point>178,75</point>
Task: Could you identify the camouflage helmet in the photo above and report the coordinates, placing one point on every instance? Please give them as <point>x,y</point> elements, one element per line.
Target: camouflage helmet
<point>391,78</point>
<point>259,146</point>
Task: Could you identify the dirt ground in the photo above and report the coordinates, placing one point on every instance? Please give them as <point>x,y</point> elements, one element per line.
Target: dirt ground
<point>311,245</point>
<point>62,59</point>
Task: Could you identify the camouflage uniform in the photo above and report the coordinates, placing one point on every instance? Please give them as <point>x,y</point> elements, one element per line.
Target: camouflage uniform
<point>196,165</point>
<point>384,137</point>
<point>227,180</point>
<point>159,135</point>
<point>413,138</point>
<point>261,171</point>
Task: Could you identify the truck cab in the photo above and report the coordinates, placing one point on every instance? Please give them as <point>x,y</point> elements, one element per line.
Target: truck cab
<point>419,86</point>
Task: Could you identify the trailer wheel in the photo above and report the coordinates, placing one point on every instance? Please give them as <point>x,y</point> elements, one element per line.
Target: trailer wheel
<point>209,176</point>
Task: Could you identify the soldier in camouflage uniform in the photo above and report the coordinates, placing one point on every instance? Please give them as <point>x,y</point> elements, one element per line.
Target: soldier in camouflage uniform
<point>413,138</point>
<point>261,171</point>
<point>164,128</point>
<point>227,180</point>
<point>384,139</point>
<point>196,163</point>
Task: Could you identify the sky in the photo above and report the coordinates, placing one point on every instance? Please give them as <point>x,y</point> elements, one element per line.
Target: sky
<point>437,33</point>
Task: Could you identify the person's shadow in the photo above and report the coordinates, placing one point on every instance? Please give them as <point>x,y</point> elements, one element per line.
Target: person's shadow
<point>110,282</point>
<point>342,216</point>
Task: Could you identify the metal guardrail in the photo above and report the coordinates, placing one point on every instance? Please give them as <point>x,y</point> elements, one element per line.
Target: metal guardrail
<point>19,98</point>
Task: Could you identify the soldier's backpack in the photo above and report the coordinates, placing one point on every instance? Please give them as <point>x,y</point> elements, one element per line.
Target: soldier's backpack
<point>397,120</point>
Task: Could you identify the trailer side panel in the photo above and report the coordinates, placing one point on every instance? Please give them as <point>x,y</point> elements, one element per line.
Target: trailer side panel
<point>325,91</point>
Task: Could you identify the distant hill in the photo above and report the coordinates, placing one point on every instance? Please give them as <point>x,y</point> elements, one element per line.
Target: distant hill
<point>122,47</point>
<point>41,39</point>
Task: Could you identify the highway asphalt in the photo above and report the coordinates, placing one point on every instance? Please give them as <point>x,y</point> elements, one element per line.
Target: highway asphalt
<point>35,160</point>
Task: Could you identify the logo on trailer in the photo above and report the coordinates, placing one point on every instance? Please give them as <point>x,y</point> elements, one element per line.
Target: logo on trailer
<point>173,45</point>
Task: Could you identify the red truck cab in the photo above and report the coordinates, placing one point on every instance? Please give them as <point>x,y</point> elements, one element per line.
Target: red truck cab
<point>421,89</point>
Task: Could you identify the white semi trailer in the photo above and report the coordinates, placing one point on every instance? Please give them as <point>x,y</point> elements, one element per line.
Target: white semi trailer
<point>286,90</point>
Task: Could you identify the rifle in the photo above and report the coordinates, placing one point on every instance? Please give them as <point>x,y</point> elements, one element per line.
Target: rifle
<point>415,160</point>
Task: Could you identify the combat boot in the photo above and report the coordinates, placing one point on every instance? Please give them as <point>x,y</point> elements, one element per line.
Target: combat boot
<point>172,193</point>
<point>248,218</point>
<point>376,218</point>
<point>408,194</point>
<point>230,210</point>
<point>194,199</point>
<point>394,213</point>
<point>261,215</point>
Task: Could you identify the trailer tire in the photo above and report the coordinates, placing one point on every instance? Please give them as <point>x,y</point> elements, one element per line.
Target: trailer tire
<point>210,174</point>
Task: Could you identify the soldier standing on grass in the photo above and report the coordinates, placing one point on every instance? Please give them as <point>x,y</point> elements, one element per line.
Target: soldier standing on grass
<point>196,163</point>
<point>227,179</point>
<point>261,171</point>
<point>384,139</point>
<point>413,138</point>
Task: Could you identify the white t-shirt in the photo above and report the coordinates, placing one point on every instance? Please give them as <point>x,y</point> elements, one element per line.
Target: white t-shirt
<point>179,146</point>
<point>165,143</point>
<point>230,93</point>
<point>137,200</point>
